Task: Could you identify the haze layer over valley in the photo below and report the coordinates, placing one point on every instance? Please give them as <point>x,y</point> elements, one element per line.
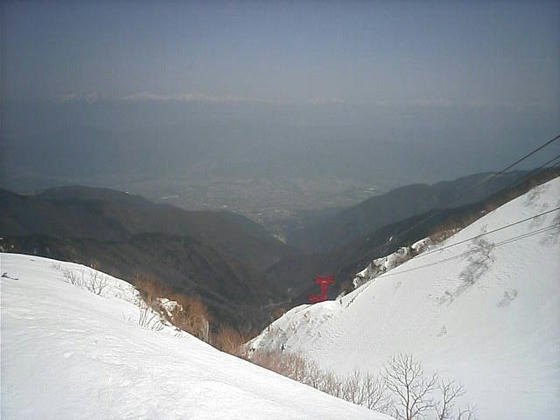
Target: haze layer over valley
<point>276,164</point>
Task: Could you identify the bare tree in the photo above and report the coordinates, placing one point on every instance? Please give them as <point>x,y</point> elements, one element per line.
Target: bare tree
<point>450,391</point>
<point>375,393</point>
<point>331,385</point>
<point>466,413</point>
<point>300,369</point>
<point>351,388</point>
<point>405,378</point>
<point>314,376</point>
<point>403,391</point>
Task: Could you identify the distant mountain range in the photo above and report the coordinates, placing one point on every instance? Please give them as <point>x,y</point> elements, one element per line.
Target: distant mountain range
<point>355,222</point>
<point>239,270</point>
<point>217,255</point>
<point>105,215</point>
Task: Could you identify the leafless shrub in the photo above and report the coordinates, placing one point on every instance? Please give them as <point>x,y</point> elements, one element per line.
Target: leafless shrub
<point>73,278</point>
<point>96,282</point>
<point>285,363</point>
<point>264,359</point>
<point>332,385</point>
<point>360,389</point>
<point>309,371</point>
<point>149,319</point>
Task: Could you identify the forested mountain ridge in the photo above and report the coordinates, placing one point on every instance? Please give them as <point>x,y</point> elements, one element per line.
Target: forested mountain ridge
<point>401,203</point>
<point>217,256</point>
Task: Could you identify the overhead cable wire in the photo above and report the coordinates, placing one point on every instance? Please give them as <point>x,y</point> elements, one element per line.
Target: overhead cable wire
<point>518,181</point>
<point>470,251</point>
<point>484,181</point>
<point>533,172</point>
<point>521,159</point>
<point>517,162</point>
<point>487,233</point>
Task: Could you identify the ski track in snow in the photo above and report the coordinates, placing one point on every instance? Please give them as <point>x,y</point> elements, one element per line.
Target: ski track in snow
<point>67,353</point>
<point>489,319</point>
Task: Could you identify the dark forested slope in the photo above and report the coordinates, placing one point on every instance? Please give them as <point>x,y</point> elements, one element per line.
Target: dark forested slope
<point>218,256</point>
<point>352,223</point>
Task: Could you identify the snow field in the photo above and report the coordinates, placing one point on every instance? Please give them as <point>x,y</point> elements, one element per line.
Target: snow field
<point>485,313</point>
<point>68,353</point>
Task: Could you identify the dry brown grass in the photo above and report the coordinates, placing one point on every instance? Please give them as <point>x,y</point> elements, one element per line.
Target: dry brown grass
<point>150,289</point>
<point>228,340</point>
<point>278,312</point>
<point>190,314</point>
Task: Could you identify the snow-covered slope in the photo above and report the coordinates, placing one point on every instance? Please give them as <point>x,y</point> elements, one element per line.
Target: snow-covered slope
<point>68,353</point>
<point>485,312</point>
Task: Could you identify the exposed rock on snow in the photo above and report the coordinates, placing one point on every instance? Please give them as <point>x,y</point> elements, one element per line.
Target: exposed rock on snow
<point>384,264</point>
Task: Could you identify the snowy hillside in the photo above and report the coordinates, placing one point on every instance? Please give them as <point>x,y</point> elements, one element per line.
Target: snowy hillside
<point>69,353</point>
<point>485,312</point>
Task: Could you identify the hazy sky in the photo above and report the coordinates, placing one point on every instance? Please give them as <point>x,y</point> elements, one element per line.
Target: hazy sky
<point>379,52</point>
<point>379,91</point>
